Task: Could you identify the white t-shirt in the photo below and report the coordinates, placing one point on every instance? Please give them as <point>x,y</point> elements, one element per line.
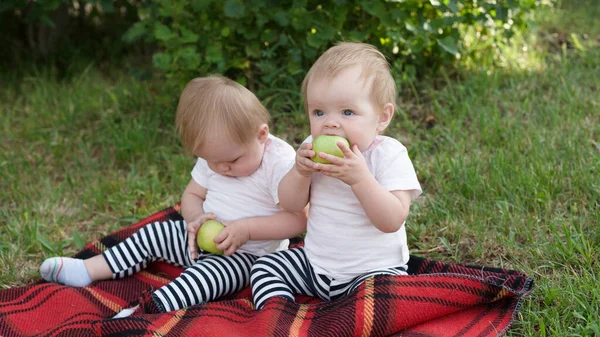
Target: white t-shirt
<point>232,198</point>
<point>341,242</point>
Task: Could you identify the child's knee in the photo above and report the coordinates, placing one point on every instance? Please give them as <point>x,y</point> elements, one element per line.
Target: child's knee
<point>263,267</point>
<point>258,265</point>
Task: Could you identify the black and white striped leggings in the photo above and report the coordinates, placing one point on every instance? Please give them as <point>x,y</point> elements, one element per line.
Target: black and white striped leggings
<point>288,272</point>
<point>203,280</point>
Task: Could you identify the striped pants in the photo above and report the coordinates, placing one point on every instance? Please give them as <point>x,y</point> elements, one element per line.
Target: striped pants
<point>203,280</point>
<point>288,272</point>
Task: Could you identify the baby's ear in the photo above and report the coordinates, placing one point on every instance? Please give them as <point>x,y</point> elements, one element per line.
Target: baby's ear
<point>263,133</point>
<point>385,117</point>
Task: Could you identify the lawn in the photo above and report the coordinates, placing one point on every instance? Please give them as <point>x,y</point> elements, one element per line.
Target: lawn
<point>509,159</point>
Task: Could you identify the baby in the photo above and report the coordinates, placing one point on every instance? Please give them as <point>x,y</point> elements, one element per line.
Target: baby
<point>358,203</point>
<point>235,180</point>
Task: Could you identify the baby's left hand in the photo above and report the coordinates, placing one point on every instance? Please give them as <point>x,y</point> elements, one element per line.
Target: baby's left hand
<point>233,236</point>
<point>351,169</point>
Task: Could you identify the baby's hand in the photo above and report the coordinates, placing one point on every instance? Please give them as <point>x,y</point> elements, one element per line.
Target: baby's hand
<point>192,229</point>
<point>233,236</point>
<point>351,169</point>
<point>304,165</point>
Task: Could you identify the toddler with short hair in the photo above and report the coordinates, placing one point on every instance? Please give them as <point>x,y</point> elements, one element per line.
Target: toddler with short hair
<point>235,180</point>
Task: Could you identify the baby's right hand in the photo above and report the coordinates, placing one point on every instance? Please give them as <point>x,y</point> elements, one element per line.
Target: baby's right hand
<point>304,165</point>
<point>192,229</point>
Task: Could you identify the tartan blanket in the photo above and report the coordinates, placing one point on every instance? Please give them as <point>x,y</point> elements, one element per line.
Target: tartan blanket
<point>436,299</point>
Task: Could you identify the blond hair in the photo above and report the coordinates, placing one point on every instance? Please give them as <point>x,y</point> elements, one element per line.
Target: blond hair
<point>214,105</point>
<point>345,55</point>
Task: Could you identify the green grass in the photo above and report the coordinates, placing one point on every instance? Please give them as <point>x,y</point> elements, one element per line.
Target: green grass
<point>509,159</point>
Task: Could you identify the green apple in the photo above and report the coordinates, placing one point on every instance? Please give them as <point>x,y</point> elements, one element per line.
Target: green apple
<point>327,144</point>
<point>206,236</point>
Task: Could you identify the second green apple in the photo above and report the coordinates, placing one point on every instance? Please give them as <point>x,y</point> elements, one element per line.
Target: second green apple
<point>327,144</point>
<point>206,236</point>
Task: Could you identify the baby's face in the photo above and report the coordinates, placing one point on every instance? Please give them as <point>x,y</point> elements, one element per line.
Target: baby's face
<point>227,158</point>
<point>343,107</point>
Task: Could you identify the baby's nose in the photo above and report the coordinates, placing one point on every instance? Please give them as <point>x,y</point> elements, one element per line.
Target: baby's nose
<point>332,122</point>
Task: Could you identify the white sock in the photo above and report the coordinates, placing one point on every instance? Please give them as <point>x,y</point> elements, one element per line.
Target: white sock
<point>65,270</point>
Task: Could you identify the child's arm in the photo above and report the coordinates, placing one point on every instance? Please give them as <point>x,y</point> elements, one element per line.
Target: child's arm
<point>192,210</point>
<point>386,210</point>
<point>294,188</point>
<point>294,191</point>
<point>282,225</point>
<point>192,201</point>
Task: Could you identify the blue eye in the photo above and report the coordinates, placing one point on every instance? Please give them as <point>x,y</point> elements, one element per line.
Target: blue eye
<point>319,113</point>
<point>348,112</point>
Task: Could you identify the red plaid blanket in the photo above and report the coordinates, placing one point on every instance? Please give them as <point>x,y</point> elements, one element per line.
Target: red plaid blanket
<point>436,299</point>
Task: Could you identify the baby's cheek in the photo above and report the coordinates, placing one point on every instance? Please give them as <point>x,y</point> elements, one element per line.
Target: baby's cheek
<point>246,170</point>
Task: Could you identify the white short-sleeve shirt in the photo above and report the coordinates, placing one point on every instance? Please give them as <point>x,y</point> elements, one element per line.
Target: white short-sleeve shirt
<point>341,242</point>
<point>232,198</point>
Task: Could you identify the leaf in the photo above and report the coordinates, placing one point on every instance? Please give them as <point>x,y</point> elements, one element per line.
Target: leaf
<point>107,6</point>
<point>162,32</point>
<point>268,35</point>
<point>161,61</point>
<point>378,10</point>
<point>436,24</point>
<point>427,26</point>
<point>340,17</point>
<point>135,32</point>
<point>187,36</point>
<point>281,17</point>
<point>315,40</point>
<point>399,14</point>
<point>410,27</point>
<point>449,45</point>
<point>261,19</point>
<point>50,5</point>
<point>189,57</point>
<point>200,5</point>
<point>46,244</point>
<point>225,32</point>
<point>300,19</point>
<point>577,43</point>
<point>167,9</point>
<point>435,3</point>
<point>295,55</point>
<point>214,52</point>
<point>293,67</point>
<point>234,9</point>
<point>453,6</point>
<point>321,36</point>
<point>357,35</point>
<point>512,4</point>
<point>300,4</point>
<point>501,13</point>
<point>283,40</point>
<point>250,34</point>
<point>252,49</point>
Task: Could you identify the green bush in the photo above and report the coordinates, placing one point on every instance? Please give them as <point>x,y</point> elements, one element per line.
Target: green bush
<point>266,43</point>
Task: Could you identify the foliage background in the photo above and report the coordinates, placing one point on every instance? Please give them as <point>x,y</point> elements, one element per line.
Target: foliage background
<point>263,44</point>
